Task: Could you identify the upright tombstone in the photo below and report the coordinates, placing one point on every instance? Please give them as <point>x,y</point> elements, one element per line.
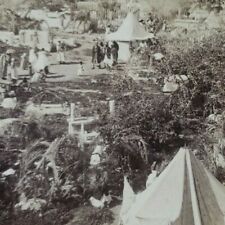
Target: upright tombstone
<point>82,137</point>
<point>112,108</point>
<point>72,109</point>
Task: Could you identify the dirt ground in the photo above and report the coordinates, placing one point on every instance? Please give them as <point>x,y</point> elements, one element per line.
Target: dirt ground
<point>68,71</point>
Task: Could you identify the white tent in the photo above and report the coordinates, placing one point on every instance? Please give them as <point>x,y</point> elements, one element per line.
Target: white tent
<point>214,21</point>
<point>184,194</point>
<point>34,38</point>
<point>199,14</point>
<point>37,14</point>
<point>130,30</point>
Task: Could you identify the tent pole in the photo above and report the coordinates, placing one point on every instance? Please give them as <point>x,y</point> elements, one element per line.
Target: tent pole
<point>194,200</point>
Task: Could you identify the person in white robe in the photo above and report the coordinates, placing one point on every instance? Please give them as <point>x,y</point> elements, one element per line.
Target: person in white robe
<point>80,70</point>
<point>23,61</point>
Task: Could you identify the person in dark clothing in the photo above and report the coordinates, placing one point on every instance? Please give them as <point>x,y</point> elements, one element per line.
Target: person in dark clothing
<point>131,47</point>
<point>116,45</point>
<point>102,51</point>
<point>96,55</point>
<point>114,52</point>
<point>24,83</point>
<point>30,69</point>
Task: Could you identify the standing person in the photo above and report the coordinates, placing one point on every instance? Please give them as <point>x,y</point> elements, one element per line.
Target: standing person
<point>60,52</point>
<point>30,71</point>
<point>108,29</point>
<point>42,62</point>
<point>131,47</point>
<point>114,53</point>
<point>23,62</point>
<point>164,26</point>
<point>116,45</point>
<point>108,59</point>
<point>32,61</point>
<point>102,53</point>
<point>95,55</point>
<point>80,69</point>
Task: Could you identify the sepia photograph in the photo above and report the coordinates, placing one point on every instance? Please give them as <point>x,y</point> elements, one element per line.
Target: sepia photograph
<point>112,112</point>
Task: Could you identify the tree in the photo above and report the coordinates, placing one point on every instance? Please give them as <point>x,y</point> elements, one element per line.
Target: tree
<point>108,6</point>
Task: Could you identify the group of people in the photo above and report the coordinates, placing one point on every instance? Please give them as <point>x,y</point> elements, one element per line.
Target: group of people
<point>146,49</point>
<point>153,23</point>
<point>105,54</point>
<point>36,61</point>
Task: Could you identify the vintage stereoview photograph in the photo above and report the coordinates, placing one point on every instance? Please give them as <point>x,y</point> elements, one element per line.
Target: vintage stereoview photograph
<point>112,112</point>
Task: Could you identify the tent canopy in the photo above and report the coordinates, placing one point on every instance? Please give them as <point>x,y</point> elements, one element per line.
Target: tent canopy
<point>130,30</point>
<point>184,194</point>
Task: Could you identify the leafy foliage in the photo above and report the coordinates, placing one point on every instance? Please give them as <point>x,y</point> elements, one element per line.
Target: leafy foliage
<point>145,124</point>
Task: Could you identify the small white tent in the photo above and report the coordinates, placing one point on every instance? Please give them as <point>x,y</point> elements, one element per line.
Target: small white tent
<point>199,14</point>
<point>130,30</point>
<point>34,38</point>
<point>214,21</point>
<point>37,14</point>
<point>184,194</point>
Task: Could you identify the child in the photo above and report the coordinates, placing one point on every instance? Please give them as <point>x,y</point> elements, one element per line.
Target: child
<point>24,83</point>
<point>30,69</point>
<point>80,69</point>
<point>38,77</point>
